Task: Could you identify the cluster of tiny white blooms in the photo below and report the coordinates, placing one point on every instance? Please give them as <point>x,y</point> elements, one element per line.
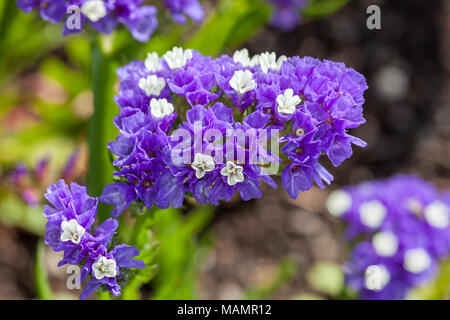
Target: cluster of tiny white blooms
<point>372,213</point>
<point>202,164</point>
<point>437,214</point>
<point>94,10</point>
<point>385,243</point>
<point>288,102</point>
<point>416,260</point>
<point>177,57</point>
<point>104,268</point>
<point>376,277</point>
<point>242,81</point>
<point>160,108</point>
<point>152,85</point>
<point>152,63</point>
<point>233,173</point>
<point>338,203</point>
<point>72,231</point>
<point>269,60</point>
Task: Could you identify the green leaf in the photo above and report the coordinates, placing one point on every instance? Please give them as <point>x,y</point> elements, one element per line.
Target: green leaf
<point>326,277</point>
<point>131,290</point>
<point>319,8</point>
<point>44,292</point>
<point>231,23</point>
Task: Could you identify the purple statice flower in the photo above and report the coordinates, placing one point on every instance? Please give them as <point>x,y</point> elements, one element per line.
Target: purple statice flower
<point>287,13</point>
<point>182,8</point>
<point>70,228</point>
<point>402,230</point>
<point>206,128</point>
<point>30,183</point>
<point>105,15</point>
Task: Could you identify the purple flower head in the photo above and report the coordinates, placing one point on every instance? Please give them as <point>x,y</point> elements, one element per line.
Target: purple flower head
<point>404,226</point>
<point>70,228</point>
<point>286,15</point>
<point>194,126</point>
<point>105,15</point>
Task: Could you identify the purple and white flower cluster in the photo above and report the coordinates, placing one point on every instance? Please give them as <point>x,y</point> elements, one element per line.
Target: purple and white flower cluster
<point>70,228</point>
<point>104,15</point>
<point>287,13</point>
<point>218,115</point>
<point>402,230</point>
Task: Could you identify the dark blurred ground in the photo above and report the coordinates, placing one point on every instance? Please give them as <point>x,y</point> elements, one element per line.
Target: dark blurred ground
<point>407,65</point>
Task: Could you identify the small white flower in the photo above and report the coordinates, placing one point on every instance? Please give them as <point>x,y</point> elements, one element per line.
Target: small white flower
<point>242,57</point>
<point>437,214</point>
<point>104,268</point>
<point>376,277</point>
<point>160,108</point>
<point>385,243</point>
<point>372,213</point>
<point>152,85</point>
<point>242,81</point>
<point>416,260</point>
<point>177,58</point>
<point>202,164</point>
<point>254,61</point>
<point>233,173</point>
<point>287,102</point>
<point>94,10</point>
<point>338,203</point>
<point>152,62</point>
<point>269,60</point>
<point>72,231</point>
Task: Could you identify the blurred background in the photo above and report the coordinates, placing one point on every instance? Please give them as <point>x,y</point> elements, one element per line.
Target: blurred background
<point>271,248</point>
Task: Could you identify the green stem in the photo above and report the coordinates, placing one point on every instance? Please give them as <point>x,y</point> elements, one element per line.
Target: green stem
<point>9,10</point>
<point>101,127</point>
<point>43,290</point>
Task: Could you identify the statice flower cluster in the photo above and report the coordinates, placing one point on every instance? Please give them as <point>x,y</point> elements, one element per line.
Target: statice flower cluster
<point>287,13</point>
<point>194,126</point>
<point>104,16</point>
<point>30,183</point>
<point>70,229</point>
<point>401,227</point>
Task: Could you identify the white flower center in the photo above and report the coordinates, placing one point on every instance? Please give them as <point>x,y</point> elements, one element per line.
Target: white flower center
<point>372,213</point>
<point>339,202</point>
<point>287,102</point>
<point>72,231</point>
<point>152,63</point>
<point>94,10</point>
<point>437,214</point>
<point>269,61</point>
<point>202,164</point>
<point>376,277</point>
<point>414,206</point>
<point>416,260</point>
<point>104,268</point>
<point>233,172</point>
<point>177,58</point>
<point>385,243</point>
<point>242,57</point>
<point>242,81</point>
<point>152,85</point>
<point>159,108</point>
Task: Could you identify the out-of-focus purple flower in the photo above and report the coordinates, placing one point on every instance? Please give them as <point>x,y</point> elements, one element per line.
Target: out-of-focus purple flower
<point>105,15</point>
<point>403,227</point>
<point>287,13</point>
<point>71,216</point>
<point>191,125</point>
